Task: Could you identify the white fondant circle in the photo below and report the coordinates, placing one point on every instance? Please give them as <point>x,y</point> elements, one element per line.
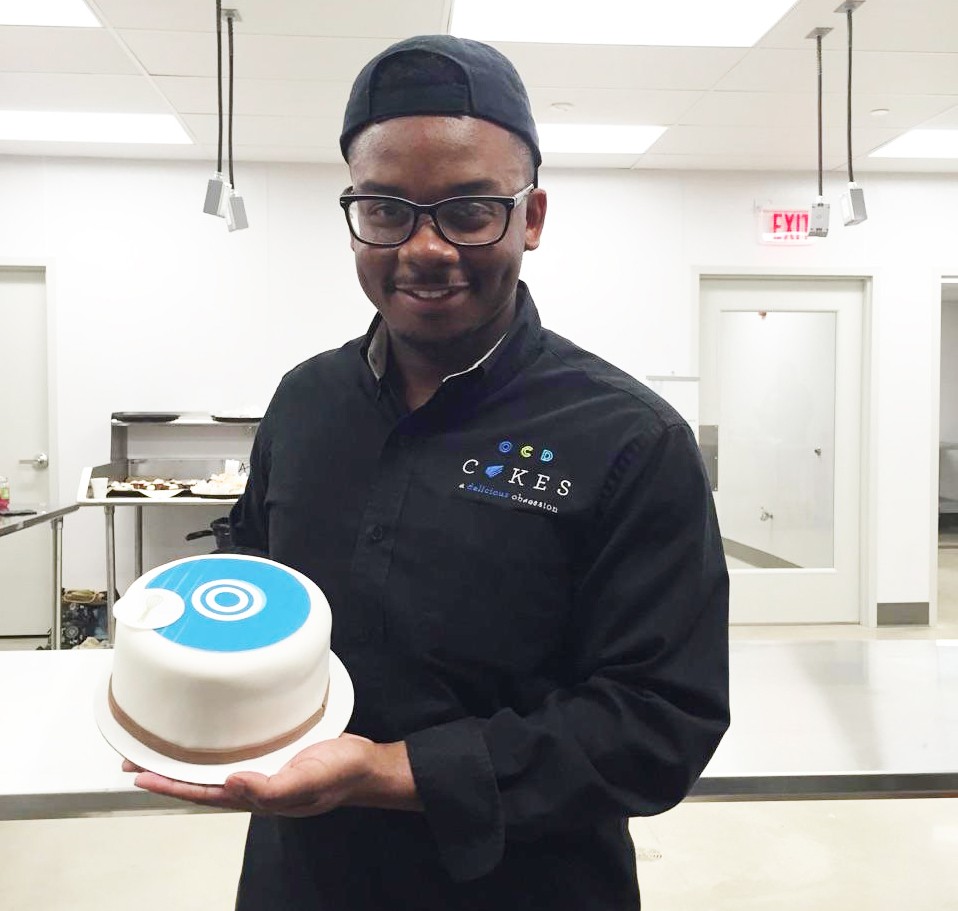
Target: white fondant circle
<point>339,709</point>
<point>150,608</point>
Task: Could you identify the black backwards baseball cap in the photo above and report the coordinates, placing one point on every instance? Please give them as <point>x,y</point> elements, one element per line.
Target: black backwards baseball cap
<point>488,87</point>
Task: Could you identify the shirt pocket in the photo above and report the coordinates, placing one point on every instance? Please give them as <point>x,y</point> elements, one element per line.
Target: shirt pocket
<point>487,585</point>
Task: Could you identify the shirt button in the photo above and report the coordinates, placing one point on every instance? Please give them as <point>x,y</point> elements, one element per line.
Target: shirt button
<point>376,534</point>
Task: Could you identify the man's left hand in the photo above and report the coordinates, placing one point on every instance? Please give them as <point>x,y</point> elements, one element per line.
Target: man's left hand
<point>347,771</point>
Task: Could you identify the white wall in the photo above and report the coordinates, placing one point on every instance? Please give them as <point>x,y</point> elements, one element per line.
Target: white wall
<point>159,307</point>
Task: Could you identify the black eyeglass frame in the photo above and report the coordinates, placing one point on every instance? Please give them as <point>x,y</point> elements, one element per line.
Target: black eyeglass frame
<point>419,209</point>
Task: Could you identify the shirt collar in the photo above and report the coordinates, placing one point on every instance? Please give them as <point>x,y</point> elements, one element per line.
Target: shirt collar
<point>377,350</point>
<point>376,347</point>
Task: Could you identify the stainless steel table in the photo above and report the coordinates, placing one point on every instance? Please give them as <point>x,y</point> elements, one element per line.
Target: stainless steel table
<point>810,720</point>
<point>53,515</point>
<point>194,445</point>
<point>109,506</point>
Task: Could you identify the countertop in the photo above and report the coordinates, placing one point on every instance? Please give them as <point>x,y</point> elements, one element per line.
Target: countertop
<point>809,719</point>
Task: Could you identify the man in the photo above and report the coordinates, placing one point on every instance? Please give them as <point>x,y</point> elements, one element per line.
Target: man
<point>517,541</point>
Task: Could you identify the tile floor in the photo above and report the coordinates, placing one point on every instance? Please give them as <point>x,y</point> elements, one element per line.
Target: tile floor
<point>882,855</point>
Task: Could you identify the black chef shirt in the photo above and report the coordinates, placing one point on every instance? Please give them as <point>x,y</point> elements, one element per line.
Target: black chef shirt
<point>527,586</point>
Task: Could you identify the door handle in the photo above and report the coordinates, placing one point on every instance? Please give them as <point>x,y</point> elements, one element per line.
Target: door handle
<point>40,461</point>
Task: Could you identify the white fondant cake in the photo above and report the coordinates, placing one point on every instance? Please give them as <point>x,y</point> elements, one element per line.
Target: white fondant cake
<point>220,658</point>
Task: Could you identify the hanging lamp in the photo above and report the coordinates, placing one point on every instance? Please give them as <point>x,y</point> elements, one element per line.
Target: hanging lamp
<point>216,188</point>
<point>818,215</point>
<point>222,199</point>
<point>853,202</point>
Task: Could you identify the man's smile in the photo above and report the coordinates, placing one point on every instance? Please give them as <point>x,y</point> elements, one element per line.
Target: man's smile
<point>431,292</point>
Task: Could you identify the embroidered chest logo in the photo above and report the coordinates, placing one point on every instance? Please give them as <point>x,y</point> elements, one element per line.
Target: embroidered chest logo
<point>521,473</point>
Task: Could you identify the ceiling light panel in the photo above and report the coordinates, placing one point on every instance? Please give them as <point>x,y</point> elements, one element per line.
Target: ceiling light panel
<point>597,138</point>
<point>921,144</point>
<point>73,126</point>
<point>63,13</point>
<point>690,23</point>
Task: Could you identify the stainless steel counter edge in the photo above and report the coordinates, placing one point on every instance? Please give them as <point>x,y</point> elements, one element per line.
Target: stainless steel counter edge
<point>823,786</point>
<point>136,802</point>
<point>18,523</point>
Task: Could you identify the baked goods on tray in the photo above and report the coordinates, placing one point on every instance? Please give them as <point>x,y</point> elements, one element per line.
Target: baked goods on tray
<point>220,485</point>
<point>157,488</point>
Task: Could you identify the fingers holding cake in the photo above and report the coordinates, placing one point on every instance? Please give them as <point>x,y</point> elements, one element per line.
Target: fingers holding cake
<point>204,795</point>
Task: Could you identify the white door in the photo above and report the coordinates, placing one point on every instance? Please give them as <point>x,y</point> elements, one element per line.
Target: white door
<point>26,556</point>
<point>780,422</point>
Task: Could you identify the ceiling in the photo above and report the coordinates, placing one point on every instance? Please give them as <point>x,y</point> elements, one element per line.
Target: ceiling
<point>726,108</point>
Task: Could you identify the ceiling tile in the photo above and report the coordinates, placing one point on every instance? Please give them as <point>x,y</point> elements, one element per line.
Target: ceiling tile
<point>764,70</point>
<point>700,162</point>
<point>947,119</point>
<point>80,92</point>
<point>610,105</point>
<point>273,131</point>
<point>791,141</point>
<point>793,28</point>
<point>576,65</point>
<point>915,26</point>
<point>878,25</point>
<point>276,97</point>
<point>287,153</point>
<point>906,74</point>
<point>785,108</point>
<point>24,49</point>
<point>332,18</point>
<point>256,56</point>
<point>907,165</point>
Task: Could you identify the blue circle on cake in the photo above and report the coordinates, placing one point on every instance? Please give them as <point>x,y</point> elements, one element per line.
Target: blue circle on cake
<point>233,605</point>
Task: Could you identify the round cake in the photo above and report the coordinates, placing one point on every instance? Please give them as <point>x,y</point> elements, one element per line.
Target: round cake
<point>220,658</point>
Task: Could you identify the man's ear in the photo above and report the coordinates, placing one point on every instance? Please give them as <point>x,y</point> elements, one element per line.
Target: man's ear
<point>536,204</point>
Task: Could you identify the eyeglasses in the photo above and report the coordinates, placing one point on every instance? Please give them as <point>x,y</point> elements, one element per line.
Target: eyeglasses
<point>463,221</point>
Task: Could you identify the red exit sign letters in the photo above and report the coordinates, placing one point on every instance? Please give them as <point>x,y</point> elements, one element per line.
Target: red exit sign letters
<point>785,227</point>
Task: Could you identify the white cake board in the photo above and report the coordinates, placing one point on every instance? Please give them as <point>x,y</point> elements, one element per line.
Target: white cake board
<point>339,709</point>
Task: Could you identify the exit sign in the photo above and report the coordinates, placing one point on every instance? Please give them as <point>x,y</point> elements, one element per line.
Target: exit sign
<point>784,227</point>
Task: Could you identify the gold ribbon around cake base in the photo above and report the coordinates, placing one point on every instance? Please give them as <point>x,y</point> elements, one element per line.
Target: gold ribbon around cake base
<point>211,757</point>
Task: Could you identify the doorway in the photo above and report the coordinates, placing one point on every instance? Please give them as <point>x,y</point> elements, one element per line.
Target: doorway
<point>780,422</point>
<point>947,549</point>
<point>948,419</point>
<point>25,458</point>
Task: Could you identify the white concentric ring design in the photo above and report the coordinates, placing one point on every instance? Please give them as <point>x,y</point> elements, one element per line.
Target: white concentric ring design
<point>250,599</point>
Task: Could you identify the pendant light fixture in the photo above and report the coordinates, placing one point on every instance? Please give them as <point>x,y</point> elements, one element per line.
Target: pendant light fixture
<point>221,197</point>
<point>216,192</point>
<point>853,202</point>
<point>235,207</point>
<point>818,216</point>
